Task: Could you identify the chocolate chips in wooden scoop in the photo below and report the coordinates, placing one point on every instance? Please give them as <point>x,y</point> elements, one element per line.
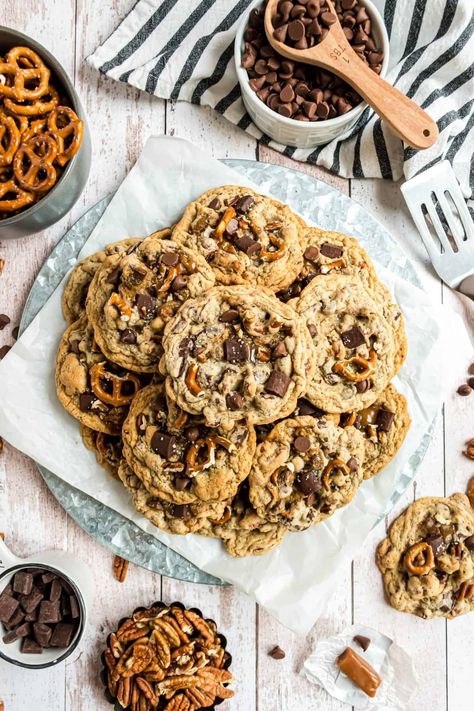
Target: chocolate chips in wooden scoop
<point>39,608</point>
<point>300,91</point>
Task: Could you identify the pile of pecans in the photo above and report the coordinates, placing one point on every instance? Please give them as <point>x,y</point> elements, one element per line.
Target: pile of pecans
<point>167,658</point>
<point>300,91</point>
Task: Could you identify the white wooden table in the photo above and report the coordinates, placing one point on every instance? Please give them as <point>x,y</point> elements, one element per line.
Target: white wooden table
<point>121,120</point>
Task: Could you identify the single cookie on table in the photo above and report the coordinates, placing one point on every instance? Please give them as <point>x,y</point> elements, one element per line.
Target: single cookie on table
<point>305,470</point>
<point>353,344</point>
<point>427,559</point>
<point>247,238</point>
<point>107,448</point>
<point>179,519</point>
<point>95,391</point>
<point>75,291</point>
<point>237,352</point>
<point>133,296</point>
<point>243,532</point>
<point>180,459</point>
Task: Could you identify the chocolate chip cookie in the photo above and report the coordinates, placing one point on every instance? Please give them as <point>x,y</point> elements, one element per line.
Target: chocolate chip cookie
<point>353,344</point>
<point>180,459</point>
<point>236,352</point>
<point>107,448</point>
<point>95,391</point>
<point>179,519</point>
<point>427,559</point>
<point>133,296</point>
<point>247,238</point>
<point>305,470</point>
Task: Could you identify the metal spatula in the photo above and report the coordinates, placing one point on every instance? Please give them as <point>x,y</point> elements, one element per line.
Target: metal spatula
<point>440,213</point>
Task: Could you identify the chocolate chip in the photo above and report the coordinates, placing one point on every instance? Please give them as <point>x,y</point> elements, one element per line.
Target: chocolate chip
<point>49,611</point>
<point>437,544</point>
<point>301,444</point>
<point>280,350</point>
<point>169,259</point>
<point>234,401</point>
<point>128,336</point>
<point>331,251</point>
<point>244,204</point>
<point>30,646</point>
<point>15,332</point>
<point>384,419</point>
<point>163,444</point>
<point>229,316</point>
<point>277,653</point>
<point>470,370</point>
<point>353,464</point>
<point>86,401</point>
<point>23,582</point>
<point>248,245</point>
<point>305,407</point>
<point>192,433</point>
<point>362,386</point>
<point>62,635</point>
<point>146,305</point>
<point>280,33</point>
<point>42,633</point>
<point>464,389</point>
<point>311,254</point>
<point>179,282</point>
<point>353,337</point>
<point>113,277</point>
<point>363,642</point>
<point>277,383</point>
<point>236,350</point>
<point>181,483</point>
<point>469,543</point>
<point>4,321</point>
<point>470,382</point>
<point>308,481</point>
<point>181,511</point>
<point>3,351</point>
<point>215,204</point>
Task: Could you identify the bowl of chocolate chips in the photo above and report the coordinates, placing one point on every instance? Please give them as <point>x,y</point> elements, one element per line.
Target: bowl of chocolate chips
<point>42,608</point>
<point>297,104</point>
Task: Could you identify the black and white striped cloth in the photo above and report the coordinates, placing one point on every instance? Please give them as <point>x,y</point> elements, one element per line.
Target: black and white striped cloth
<point>183,50</point>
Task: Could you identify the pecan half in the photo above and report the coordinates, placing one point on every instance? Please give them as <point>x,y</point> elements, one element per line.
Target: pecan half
<point>120,568</point>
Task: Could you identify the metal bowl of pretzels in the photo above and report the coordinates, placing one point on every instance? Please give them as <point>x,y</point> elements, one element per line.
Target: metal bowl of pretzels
<point>45,149</point>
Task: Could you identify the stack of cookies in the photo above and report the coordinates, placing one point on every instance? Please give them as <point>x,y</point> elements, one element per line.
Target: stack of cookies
<point>234,371</point>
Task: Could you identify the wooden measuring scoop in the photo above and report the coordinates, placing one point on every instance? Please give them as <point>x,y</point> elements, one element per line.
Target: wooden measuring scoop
<point>334,53</point>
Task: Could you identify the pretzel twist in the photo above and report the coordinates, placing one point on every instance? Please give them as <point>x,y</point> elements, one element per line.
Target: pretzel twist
<point>33,163</point>
<point>9,139</point>
<point>13,198</point>
<point>44,105</point>
<point>22,69</point>
<point>329,468</point>
<point>64,122</point>
<point>345,368</point>
<point>116,398</point>
<point>419,549</point>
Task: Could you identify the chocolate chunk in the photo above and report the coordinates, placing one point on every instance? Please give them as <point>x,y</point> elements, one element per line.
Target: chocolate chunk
<point>42,633</point>
<point>469,543</point>
<point>301,444</point>
<point>277,383</point>
<point>15,619</point>
<point>234,401</point>
<point>277,653</point>
<point>362,641</point>
<point>32,616</point>
<point>236,350</point>
<point>30,646</point>
<point>192,433</point>
<point>113,277</point>
<point>4,321</point>
<point>30,602</point>
<point>362,386</point>
<point>135,276</point>
<point>181,483</point>
<point>308,481</point>
<point>74,607</point>
<point>170,259</point>
<point>437,544</point>
<point>146,305</point>
<point>74,346</point>
<point>470,382</point>
<point>128,336</point>
<point>353,337</point>
<point>15,332</point>
<point>179,282</point>
<point>464,389</point>
<point>384,419</point>
<point>23,630</point>
<point>215,204</point>
<point>10,637</point>
<point>163,444</point>
<point>353,464</point>
<point>23,582</point>
<point>311,254</point>
<point>229,316</point>
<point>331,251</point>
<point>49,611</point>
<point>86,401</point>
<point>62,635</point>
<point>181,511</point>
<point>55,591</point>
<point>244,204</point>
<point>248,245</point>
<point>280,350</point>
<point>305,407</point>
<point>3,351</point>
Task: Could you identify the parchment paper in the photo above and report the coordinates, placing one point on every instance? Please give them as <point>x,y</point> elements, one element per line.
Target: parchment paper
<point>294,581</point>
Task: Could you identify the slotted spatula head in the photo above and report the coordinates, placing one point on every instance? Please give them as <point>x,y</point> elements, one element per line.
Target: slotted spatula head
<point>440,213</point>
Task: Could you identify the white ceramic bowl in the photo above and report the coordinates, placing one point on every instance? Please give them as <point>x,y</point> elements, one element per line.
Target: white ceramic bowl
<point>302,134</point>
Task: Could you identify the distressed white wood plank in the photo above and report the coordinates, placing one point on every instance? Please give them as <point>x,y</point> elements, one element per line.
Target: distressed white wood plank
<point>415,635</point>
<point>279,685</point>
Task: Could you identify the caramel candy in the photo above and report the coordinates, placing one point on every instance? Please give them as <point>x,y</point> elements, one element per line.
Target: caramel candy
<point>359,671</point>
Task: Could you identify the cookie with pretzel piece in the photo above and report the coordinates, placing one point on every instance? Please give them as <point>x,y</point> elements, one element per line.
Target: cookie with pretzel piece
<point>179,458</point>
<point>132,297</point>
<point>247,238</point>
<point>427,559</point>
<point>304,470</point>
<point>95,391</point>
